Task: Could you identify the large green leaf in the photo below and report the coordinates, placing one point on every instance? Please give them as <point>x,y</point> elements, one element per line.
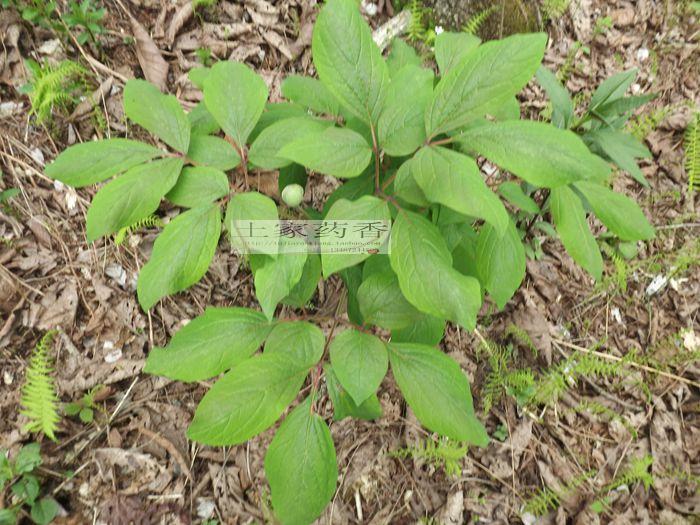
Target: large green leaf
<point>213,152</point>
<point>198,186</point>
<point>198,74</point>
<point>484,79</point>
<point>304,290</point>
<point>612,89</point>
<point>622,107</point>
<point>277,278</point>
<point>181,254</point>
<point>131,196</point>
<point>539,153</point>
<point>348,61</point>
<point>201,121</point>
<point>351,190</point>
<point>562,105</point>
<point>423,264</point>
<point>437,391</point>
<point>618,212</point>
<point>572,227</point>
<point>401,54</point>
<point>212,343</point>
<point>406,188</point>
<point>246,207</point>
<point>264,151</point>
<point>401,128</point>
<point>235,96</point>
<point>621,148</point>
<point>274,112</point>
<point>301,341</point>
<point>310,93</point>
<point>300,465</point>
<point>449,178</point>
<point>246,400</point>
<point>451,48</point>
<point>500,262</point>
<point>160,114</point>
<point>377,263</point>
<point>360,363</point>
<point>382,303</point>
<point>339,152</point>
<point>344,406</point>
<point>427,330</point>
<point>352,278</point>
<point>92,162</point>
<point>513,193</point>
<point>367,209</point>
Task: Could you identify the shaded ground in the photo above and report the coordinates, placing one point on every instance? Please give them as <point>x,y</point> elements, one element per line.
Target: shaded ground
<point>134,463</point>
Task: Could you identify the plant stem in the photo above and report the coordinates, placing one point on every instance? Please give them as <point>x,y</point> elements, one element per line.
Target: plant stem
<point>375,148</point>
<point>388,182</point>
<point>316,376</point>
<point>243,154</point>
<point>448,140</point>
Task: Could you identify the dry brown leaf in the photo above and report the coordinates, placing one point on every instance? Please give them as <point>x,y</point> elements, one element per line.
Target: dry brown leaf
<point>11,68</point>
<point>262,13</point>
<point>90,102</point>
<point>305,32</point>
<point>142,471</point>
<point>276,41</point>
<point>667,447</point>
<point>97,372</point>
<point>58,309</point>
<point>154,67</point>
<point>453,511</point>
<point>183,14</point>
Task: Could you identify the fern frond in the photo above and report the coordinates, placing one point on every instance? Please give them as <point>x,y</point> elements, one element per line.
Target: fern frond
<point>152,221</point>
<point>547,499</point>
<point>644,124</point>
<point>522,337</point>
<point>496,380</point>
<point>692,153</point>
<point>558,379</point>
<point>416,26</point>
<point>622,269</point>
<point>474,23</point>
<point>441,454</point>
<point>596,408</point>
<point>39,399</point>
<point>553,9</point>
<point>636,472</point>
<point>567,67</point>
<point>542,502</point>
<point>501,380</point>
<point>52,87</point>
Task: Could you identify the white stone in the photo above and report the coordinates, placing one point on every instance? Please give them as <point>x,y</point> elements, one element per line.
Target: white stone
<point>369,8</point>
<point>656,284</point>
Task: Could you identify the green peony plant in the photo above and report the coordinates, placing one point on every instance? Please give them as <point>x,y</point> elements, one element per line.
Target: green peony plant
<point>405,144</point>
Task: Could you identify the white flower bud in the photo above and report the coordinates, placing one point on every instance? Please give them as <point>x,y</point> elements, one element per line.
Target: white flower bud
<point>292,195</point>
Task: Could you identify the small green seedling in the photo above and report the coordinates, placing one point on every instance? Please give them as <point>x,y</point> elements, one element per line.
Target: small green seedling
<point>87,19</point>
<point>84,407</point>
<point>40,12</point>
<point>7,193</point>
<point>18,475</point>
<point>403,144</point>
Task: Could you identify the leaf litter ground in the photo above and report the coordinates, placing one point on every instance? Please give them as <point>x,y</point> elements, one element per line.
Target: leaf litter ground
<point>135,463</point>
